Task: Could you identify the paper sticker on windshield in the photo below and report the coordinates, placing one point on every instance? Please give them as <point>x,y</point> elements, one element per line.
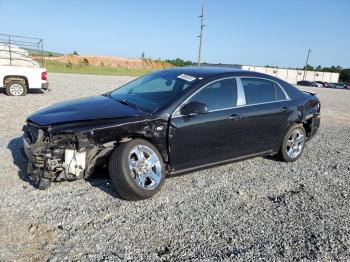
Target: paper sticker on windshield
<point>186,77</point>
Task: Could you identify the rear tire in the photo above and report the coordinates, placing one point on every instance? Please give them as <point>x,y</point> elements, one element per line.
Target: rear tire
<point>16,88</point>
<point>293,144</point>
<point>137,170</point>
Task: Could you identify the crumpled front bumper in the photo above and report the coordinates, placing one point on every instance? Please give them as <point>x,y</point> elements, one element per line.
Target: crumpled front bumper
<point>27,149</point>
<point>59,157</point>
<point>36,175</point>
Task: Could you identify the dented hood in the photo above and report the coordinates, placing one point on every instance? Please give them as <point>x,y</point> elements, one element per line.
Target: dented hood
<point>90,108</point>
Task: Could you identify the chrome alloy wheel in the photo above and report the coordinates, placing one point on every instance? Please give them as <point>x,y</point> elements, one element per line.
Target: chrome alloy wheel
<point>16,89</point>
<point>295,143</point>
<point>145,167</point>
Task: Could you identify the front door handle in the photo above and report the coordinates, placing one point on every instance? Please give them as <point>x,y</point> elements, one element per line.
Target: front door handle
<point>235,117</point>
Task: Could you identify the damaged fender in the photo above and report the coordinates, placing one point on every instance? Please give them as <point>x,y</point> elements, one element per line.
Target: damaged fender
<point>71,152</point>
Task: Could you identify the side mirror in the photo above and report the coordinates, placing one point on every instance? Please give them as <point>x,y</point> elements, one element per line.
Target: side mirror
<point>194,108</point>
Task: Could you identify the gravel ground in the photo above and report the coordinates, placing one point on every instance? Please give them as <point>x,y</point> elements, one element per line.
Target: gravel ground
<point>258,209</point>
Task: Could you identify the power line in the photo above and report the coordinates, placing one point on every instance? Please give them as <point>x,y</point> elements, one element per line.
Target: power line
<point>201,37</point>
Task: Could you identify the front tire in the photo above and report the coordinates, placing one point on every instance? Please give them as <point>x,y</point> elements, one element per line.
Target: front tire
<point>16,88</point>
<point>293,144</point>
<point>136,170</point>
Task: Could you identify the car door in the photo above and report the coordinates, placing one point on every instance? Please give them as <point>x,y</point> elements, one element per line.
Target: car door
<point>201,139</point>
<point>264,115</point>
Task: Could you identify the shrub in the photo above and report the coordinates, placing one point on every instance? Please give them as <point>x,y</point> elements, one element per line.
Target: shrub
<point>69,64</point>
<point>85,61</point>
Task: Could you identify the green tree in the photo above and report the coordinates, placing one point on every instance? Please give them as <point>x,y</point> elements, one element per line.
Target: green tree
<point>179,62</point>
<point>345,75</point>
<point>334,69</point>
<point>143,55</point>
<point>339,69</point>
<point>75,52</point>
<point>309,68</point>
<point>319,68</point>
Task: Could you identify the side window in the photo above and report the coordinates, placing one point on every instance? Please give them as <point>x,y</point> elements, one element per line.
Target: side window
<point>219,95</point>
<point>258,90</point>
<point>261,91</point>
<point>280,95</point>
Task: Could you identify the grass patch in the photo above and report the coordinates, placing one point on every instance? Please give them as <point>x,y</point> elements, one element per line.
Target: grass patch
<point>58,67</point>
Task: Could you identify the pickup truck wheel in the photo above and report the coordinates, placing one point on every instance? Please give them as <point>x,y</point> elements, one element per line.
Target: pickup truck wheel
<point>136,170</point>
<point>16,88</point>
<point>293,144</point>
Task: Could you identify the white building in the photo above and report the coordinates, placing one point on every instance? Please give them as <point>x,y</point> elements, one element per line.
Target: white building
<point>293,75</point>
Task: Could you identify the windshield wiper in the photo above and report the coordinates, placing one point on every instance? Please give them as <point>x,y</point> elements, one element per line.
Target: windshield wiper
<point>126,102</point>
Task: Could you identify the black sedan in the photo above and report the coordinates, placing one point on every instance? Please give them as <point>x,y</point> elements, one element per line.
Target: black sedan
<point>340,85</point>
<point>169,122</point>
<point>307,83</point>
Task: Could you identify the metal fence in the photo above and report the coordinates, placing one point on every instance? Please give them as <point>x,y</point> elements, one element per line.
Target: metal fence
<point>16,50</point>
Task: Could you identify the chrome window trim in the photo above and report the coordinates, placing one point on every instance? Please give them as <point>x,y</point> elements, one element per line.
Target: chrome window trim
<point>241,101</point>
<point>263,103</point>
<point>177,110</point>
<point>240,91</point>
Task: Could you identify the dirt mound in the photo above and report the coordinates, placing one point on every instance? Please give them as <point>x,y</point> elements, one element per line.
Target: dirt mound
<point>111,61</point>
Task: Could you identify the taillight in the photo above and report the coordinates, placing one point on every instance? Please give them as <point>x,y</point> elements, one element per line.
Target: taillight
<point>44,75</point>
<point>318,107</point>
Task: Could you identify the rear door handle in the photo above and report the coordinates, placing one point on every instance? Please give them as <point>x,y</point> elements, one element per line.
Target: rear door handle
<point>235,117</point>
<point>284,109</point>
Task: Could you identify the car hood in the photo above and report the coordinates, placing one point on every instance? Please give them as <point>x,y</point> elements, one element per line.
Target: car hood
<point>90,108</point>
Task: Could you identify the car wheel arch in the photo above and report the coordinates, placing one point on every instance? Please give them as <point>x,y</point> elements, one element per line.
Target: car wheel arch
<point>163,151</point>
<point>295,118</point>
<point>8,78</point>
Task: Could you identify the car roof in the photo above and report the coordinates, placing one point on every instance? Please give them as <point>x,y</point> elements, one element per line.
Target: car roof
<point>204,71</point>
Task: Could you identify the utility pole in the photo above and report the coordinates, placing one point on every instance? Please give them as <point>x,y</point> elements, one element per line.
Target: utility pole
<point>201,37</point>
<point>307,61</point>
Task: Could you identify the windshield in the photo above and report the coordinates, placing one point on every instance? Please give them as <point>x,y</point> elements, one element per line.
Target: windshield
<point>154,92</point>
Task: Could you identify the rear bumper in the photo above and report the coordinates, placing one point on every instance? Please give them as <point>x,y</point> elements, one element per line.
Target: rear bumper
<point>45,86</point>
<point>314,126</point>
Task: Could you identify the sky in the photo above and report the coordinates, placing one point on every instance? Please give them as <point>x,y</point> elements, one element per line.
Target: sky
<point>250,32</point>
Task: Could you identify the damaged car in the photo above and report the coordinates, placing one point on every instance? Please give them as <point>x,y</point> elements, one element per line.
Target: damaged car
<point>169,122</point>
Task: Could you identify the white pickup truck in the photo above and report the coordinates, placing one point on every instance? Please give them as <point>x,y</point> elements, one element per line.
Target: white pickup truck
<point>17,80</point>
<point>19,72</point>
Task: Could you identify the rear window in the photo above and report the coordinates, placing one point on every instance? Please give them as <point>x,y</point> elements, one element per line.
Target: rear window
<point>280,95</point>
<point>259,91</point>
